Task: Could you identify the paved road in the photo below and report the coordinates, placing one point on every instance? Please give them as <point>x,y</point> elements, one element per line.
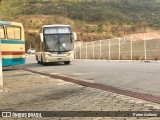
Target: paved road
<point>133,76</point>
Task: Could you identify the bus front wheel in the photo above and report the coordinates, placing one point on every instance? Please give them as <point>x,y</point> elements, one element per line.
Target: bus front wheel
<point>67,62</point>
<point>42,62</point>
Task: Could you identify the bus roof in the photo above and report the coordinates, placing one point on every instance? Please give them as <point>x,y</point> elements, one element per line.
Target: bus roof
<point>10,23</point>
<point>56,25</point>
<point>5,22</point>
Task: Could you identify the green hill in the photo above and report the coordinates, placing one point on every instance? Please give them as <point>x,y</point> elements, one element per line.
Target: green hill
<point>91,19</point>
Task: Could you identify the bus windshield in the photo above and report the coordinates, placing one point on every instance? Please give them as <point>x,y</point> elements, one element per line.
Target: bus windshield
<point>58,43</point>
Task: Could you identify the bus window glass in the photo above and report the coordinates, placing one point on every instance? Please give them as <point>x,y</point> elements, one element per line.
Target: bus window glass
<point>17,33</point>
<point>13,32</point>
<point>65,43</point>
<point>58,43</point>
<point>1,32</point>
<point>10,32</point>
<point>52,42</point>
<point>59,30</point>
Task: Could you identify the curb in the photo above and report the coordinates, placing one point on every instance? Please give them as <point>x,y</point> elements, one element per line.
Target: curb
<point>145,61</point>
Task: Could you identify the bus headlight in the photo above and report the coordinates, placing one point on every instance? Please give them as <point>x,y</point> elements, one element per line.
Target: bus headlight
<point>48,54</point>
<point>69,54</point>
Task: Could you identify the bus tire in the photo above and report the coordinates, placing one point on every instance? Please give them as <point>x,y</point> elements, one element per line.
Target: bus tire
<point>67,62</point>
<point>37,60</point>
<point>42,62</point>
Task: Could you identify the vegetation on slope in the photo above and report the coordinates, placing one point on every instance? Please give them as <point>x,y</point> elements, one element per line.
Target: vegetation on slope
<point>92,19</point>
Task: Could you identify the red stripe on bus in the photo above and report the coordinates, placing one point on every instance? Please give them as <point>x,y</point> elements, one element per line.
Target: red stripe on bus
<point>13,53</point>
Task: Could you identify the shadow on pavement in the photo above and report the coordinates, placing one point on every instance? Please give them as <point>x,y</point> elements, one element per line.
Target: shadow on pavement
<point>9,68</point>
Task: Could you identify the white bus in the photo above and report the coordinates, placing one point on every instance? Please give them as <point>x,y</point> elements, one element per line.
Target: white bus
<point>57,44</point>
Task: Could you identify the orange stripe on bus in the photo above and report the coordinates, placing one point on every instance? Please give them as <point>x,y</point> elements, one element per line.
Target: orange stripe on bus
<point>13,53</point>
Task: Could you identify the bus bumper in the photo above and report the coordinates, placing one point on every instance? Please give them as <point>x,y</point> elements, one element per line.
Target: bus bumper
<point>58,59</point>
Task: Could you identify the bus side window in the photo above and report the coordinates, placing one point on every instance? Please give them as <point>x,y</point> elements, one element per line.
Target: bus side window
<point>13,32</point>
<point>2,36</point>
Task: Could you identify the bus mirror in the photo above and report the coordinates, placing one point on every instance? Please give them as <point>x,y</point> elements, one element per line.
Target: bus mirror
<point>74,36</point>
<point>41,37</point>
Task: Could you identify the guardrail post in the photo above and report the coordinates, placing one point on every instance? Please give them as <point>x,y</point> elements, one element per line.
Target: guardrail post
<point>1,75</point>
<point>145,49</point>
<point>119,48</point>
<point>100,49</point>
<point>131,47</point>
<point>93,49</point>
<point>75,51</point>
<point>109,47</point>
<point>86,51</point>
<point>80,50</point>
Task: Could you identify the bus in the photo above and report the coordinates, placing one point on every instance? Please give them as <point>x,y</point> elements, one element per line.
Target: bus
<point>57,44</point>
<point>12,43</point>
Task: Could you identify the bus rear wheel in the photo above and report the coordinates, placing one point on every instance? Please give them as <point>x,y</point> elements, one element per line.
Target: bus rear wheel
<point>67,62</point>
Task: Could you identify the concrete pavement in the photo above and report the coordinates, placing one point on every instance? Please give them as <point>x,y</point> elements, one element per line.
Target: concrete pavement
<point>32,92</point>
